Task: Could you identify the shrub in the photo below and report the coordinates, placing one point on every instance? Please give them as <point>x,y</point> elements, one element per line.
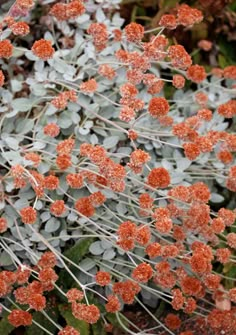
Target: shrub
<point>116,167</point>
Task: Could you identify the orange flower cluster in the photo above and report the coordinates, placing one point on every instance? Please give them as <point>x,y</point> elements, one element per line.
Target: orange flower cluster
<point>106,71</point>
<point>2,78</point>
<point>158,178</point>
<point>57,208</point>
<point>89,86</point>
<point>127,290</point>
<point>87,313</point>
<point>158,107</point>
<point>145,203</point>
<point>68,11</point>
<point>137,159</point>
<point>3,225</point>
<point>69,330</point>
<point>100,35</point>
<point>188,16</point>
<point>19,318</point>
<point>28,215</point>
<point>43,49</point>
<point>179,57</point>
<point>74,295</point>
<point>113,304</point>
<point>20,28</point>
<point>6,49</point>
<point>103,278</point>
<point>61,102</point>
<point>134,32</point>
<point>75,180</point>
<point>142,273</point>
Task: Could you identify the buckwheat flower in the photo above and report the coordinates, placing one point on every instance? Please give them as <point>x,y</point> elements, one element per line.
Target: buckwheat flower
<point>47,260</point>
<point>85,207</point>
<point>178,299</point>
<point>205,114</point>
<point>2,78</point>
<point>132,134</point>
<point>127,114</point>
<point>223,255</point>
<point>75,180</point>
<point>180,192</point>
<point>97,198</point>
<point>217,225</point>
<point>196,73</point>
<point>74,295</point>
<point>57,208</point>
<point>188,332</point>
<point>37,302</point>
<point>100,35</point>
<point>205,45</point>
<point>142,273</point>
<point>106,71</point>
<point>158,107</point>
<point>134,32</point>
<point>134,76</point>
<point>26,4</point>
<point>153,250</point>
<point>68,330</point>
<point>178,233</point>
<point>20,28</point>
<point>89,86</point>
<point>190,305</point>
<point>19,318</point>
<point>63,162</point>
<point>199,263</point>
<point>143,235</point>
<point>127,290</point>
<point>212,281</point>
<point>188,16</point>
<point>126,244</point>
<point>43,49</point>
<point>230,72</point>
<point>232,294</point>
<point>113,304</point>
<point>6,49</point>
<point>103,278</point>
<point>145,202</point>
<point>191,150</point>
<point>156,87</point>
<point>59,11</point>
<point>51,182</point>
<point>21,295</point>
<point>169,251</point>
<point>172,321</point>
<point>200,192</point>
<point>190,285</point>
<point>178,81</point>
<point>138,61</point>
<point>60,102</point>
<point>128,90</point>
<point>23,275</point>
<point>65,147</point>
<point>28,215</point>
<point>127,230</point>
<point>161,213</point>
<point>166,280</point>
<point>228,109</point>
<point>74,9</point>
<point>227,215</point>
<point>231,240</point>
<point>168,21</point>
<point>33,157</point>
<point>137,159</point>
<point>225,156</point>
<point>51,129</point>
<point>158,178</point>
<point>47,276</point>
<point>35,287</point>
<point>3,288</point>
<point>90,314</point>
<point>179,57</point>
<point>3,225</point>
<point>201,98</point>
<point>122,55</point>
<point>164,225</point>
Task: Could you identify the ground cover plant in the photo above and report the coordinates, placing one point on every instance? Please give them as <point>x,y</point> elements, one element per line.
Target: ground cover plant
<point>118,174</point>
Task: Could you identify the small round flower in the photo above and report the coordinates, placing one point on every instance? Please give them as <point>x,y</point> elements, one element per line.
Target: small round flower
<point>68,330</point>
<point>85,207</point>
<point>65,147</point>
<point>43,49</point>
<point>191,150</point>
<point>75,180</point>
<point>3,225</point>
<point>153,250</point>
<point>225,156</point>
<point>103,278</point>
<point>63,161</point>
<point>3,288</point>
<point>223,255</point>
<point>51,182</point>
<point>231,240</point>
<point>228,109</point>
<point>134,32</point>
<point>128,90</point>
<point>168,21</point>
<point>143,235</point>
<point>28,215</point>
<point>158,107</point>
<point>89,86</point>
<point>20,28</point>
<point>178,299</point>
<point>47,276</point>
<point>187,16</point>
<point>25,4</point>
<point>91,314</point>
<point>158,178</point>
<point>51,129</point>
<point>47,260</point>
<point>179,57</point>
<point>74,295</point>
<point>201,98</point>
<point>100,35</point>
<point>127,114</point>
<point>217,225</point>
<point>178,81</point>
<point>205,45</point>
<point>227,216</point>
<point>2,78</point>
<point>212,281</point>
<point>19,318</point>
<point>36,301</point>
<point>172,321</point>
<point>113,304</point>
<point>97,198</point>
<point>200,192</point>
<point>230,72</point>
<point>106,71</point>
<point>196,73</point>
<point>142,273</point>
<point>205,114</point>
<point>58,208</point>
<point>132,134</point>
<point>164,225</point>
<point>6,49</point>
<point>232,294</point>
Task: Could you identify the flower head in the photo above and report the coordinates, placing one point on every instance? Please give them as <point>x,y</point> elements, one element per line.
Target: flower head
<point>43,49</point>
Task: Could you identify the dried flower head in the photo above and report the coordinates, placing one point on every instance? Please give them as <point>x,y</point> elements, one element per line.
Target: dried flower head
<point>43,49</point>
<point>158,107</point>
<point>158,178</point>
<point>19,318</point>
<point>134,32</point>
<point>28,215</point>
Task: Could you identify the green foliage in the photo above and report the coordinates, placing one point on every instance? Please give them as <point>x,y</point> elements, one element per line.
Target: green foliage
<point>5,327</point>
<point>44,322</point>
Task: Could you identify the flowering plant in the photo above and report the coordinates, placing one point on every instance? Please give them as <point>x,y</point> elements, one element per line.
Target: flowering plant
<point>110,184</point>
